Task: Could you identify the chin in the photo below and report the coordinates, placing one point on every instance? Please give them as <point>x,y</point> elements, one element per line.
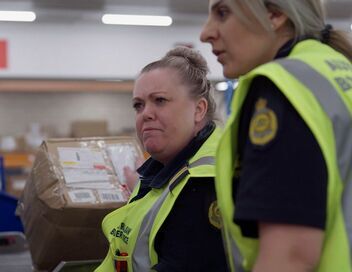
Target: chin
<point>230,73</point>
<point>152,149</point>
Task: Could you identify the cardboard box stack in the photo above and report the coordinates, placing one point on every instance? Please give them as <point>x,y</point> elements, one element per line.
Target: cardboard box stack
<point>73,184</point>
<point>89,128</point>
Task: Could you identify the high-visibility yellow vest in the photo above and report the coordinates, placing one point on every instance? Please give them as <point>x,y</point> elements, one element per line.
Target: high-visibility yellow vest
<point>317,81</point>
<point>131,230</point>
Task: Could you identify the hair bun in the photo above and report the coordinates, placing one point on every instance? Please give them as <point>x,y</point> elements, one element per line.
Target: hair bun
<point>193,57</point>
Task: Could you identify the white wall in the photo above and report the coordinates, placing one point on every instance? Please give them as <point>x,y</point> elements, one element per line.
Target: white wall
<point>38,50</point>
<point>93,50</point>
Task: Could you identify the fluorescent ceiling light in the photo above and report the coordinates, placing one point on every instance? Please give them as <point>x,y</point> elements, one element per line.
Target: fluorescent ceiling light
<point>221,86</point>
<point>146,20</point>
<point>17,16</point>
<point>225,85</point>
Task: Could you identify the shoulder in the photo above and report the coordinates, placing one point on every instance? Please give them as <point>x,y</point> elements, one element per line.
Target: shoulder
<point>263,111</point>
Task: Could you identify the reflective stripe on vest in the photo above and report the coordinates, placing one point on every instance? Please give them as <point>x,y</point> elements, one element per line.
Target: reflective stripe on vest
<point>235,252</point>
<point>341,119</point>
<point>141,259</point>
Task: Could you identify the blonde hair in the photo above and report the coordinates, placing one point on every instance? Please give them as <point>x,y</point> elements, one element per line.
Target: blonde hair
<point>193,69</point>
<point>307,17</point>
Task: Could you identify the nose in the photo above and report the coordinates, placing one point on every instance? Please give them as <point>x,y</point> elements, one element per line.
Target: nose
<point>208,33</point>
<point>148,112</point>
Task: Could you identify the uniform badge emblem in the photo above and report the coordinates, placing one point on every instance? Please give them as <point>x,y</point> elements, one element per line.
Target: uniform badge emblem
<point>263,125</point>
<point>214,215</point>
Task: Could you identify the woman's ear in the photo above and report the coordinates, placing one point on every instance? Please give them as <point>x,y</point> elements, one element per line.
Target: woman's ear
<point>201,109</point>
<point>277,18</point>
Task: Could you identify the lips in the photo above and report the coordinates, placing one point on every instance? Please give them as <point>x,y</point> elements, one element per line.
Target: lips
<point>220,54</point>
<point>147,132</point>
<point>150,134</point>
<point>149,129</point>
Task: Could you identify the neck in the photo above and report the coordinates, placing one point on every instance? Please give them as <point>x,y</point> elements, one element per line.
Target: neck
<point>199,126</point>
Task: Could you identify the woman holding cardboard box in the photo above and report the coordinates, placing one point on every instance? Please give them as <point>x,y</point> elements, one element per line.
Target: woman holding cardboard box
<point>172,213</point>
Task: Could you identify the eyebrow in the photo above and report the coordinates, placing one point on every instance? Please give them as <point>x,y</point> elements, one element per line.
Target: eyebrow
<point>214,6</point>
<point>151,95</point>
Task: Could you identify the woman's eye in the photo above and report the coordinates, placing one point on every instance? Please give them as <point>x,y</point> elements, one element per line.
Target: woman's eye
<point>222,12</point>
<point>137,106</point>
<point>160,100</point>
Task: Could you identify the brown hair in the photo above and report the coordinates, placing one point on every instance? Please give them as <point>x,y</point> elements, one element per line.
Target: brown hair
<point>193,69</point>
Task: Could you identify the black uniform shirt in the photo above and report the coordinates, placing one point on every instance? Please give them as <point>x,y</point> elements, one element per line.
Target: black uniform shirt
<point>285,179</point>
<point>187,241</point>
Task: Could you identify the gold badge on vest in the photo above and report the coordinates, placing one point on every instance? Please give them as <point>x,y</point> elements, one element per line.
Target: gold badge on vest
<point>263,125</point>
<point>214,215</point>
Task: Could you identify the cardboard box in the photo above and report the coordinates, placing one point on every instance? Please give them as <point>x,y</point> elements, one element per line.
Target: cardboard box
<point>89,128</point>
<point>73,184</point>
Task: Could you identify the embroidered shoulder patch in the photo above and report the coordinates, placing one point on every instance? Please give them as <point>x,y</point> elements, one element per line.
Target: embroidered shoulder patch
<point>263,125</point>
<point>214,215</point>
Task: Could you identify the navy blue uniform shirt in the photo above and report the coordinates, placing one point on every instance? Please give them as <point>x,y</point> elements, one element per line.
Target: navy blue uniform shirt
<point>186,241</point>
<point>284,180</point>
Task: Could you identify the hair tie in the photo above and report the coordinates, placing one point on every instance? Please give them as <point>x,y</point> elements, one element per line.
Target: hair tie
<point>325,33</point>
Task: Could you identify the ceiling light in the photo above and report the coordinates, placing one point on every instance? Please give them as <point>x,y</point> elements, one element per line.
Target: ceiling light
<point>17,16</point>
<point>221,86</point>
<point>146,20</point>
<point>226,85</point>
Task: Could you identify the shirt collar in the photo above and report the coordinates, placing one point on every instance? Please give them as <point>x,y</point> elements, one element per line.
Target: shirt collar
<point>285,50</point>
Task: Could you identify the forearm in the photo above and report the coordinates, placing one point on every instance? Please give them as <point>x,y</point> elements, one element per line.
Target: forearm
<point>288,248</point>
<point>282,263</point>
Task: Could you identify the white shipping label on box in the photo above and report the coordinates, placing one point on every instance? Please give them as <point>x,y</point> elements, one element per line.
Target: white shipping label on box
<point>111,196</point>
<point>93,185</point>
<point>80,196</point>
<point>82,165</point>
<point>84,175</point>
<point>80,157</point>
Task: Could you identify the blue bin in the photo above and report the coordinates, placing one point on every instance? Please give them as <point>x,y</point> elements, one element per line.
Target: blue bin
<point>2,175</point>
<point>9,221</point>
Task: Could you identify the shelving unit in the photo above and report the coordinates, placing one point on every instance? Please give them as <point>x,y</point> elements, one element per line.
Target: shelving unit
<point>18,159</point>
<point>65,85</point>
<point>16,168</point>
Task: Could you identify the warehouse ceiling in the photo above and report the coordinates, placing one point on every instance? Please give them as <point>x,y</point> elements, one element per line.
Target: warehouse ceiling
<point>187,6</point>
<point>181,10</point>
<point>194,6</point>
